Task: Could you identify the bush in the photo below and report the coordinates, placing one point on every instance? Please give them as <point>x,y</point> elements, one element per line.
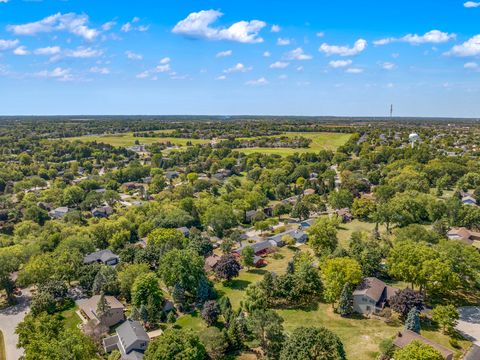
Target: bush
<point>454,343</point>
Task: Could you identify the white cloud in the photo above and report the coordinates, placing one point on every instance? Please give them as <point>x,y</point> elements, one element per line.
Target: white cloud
<point>339,63</point>
<point>108,25</point>
<point>57,73</point>
<point>8,44</point>
<point>165,60</point>
<point>320,34</point>
<point>49,50</point>
<point>354,71</point>
<point>83,52</point>
<point>471,4</point>
<point>388,66</point>
<point>221,77</point>
<point>21,50</point>
<point>224,53</point>
<point>267,54</point>
<point>470,65</point>
<point>143,75</point>
<point>299,68</point>
<point>128,26</point>
<point>297,54</point>
<point>99,70</point>
<point>163,68</point>
<point>257,82</point>
<point>197,25</point>
<point>471,47</point>
<point>3,1</point>
<point>279,65</point>
<point>357,48</point>
<point>283,41</point>
<point>275,28</point>
<point>70,22</point>
<point>133,56</point>
<point>237,68</point>
<point>432,37</point>
<point>283,77</point>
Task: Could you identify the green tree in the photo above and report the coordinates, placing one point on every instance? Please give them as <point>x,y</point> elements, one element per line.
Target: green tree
<point>73,195</point>
<point>164,240</point>
<point>227,267</point>
<point>340,199</point>
<point>323,236</point>
<point>313,343</point>
<point>255,298</point>
<point>417,350</point>
<point>210,312</point>
<point>102,306</point>
<point>413,320</point>
<point>106,281</point>
<point>220,217</point>
<point>127,276</point>
<point>266,327</point>
<point>336,273</point>
<point>446,316</point>
<point>248,254</point>
<point>345,305</point>
<point>176,344</point>
<point>145,287</point>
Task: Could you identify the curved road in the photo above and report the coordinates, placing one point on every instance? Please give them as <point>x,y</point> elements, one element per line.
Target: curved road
<point>9,319</point>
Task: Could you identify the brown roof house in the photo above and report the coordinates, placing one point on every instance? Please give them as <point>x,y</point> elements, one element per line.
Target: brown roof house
<point>464,235</point>
<point>114,315</point>
<point>371,296</point>
<point>405,337</point>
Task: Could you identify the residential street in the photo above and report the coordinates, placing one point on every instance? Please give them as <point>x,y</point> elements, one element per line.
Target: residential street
<point>9,319</point>
<point>469,323</point>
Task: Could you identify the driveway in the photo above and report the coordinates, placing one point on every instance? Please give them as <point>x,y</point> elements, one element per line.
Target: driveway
<point>9,319</point>
<point>469,323</point>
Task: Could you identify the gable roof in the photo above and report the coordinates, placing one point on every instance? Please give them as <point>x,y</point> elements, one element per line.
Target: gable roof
<point>129,332</point>
<point>405,337</point>
<point>102,255</point>
<point>89,306</point>
<point>374,288</point>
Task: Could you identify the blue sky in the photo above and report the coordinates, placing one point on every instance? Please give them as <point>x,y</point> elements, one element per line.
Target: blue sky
<point>250,57</point>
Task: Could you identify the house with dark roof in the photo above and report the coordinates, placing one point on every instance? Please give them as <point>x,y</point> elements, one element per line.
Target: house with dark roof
<point>59,212</point>
<point>102,211</point>
<point>469,200</point>
<point>184,230</point>
<point>371,296</point>
<point>406,337</point>
<point>130,339</point>
<point>106,257</point>
<point>114,314</point>
<point>299,236</point>
<point>260,248</point>
<point>464,235</point>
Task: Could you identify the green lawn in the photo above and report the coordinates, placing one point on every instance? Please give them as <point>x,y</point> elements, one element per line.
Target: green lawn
<point>320,141</point>
<point>71,319</point>
<point>3,355</point>
<point>347,229</point>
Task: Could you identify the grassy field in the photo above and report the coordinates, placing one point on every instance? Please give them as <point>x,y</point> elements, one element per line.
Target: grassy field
<point>320,141</point>
<point>346,230</point>
<point>71,319</point>
<point>3,355</point>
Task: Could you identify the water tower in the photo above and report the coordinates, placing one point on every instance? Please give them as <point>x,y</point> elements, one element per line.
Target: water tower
<point>413,138</point>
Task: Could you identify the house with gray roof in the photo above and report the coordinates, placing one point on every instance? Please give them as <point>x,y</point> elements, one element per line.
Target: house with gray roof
<point>59,212</point>
<point>371,296</point>
<point>130,339</point>
<point>106,257</point>
<point>299,236</point>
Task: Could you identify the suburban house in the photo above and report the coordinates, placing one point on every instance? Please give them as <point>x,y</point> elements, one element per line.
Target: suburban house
<point>261,248</point>
<point>211,262</point>
<point>59,212</point>
<point>130,339</point>
<point>184,230</point>
<point>102,211</point>
<point>106,257</point>
<point>170,175</point>
<point>299,236</point>
<point>469,200</point>
<point>114,314</point>
<point>371,296</point>
<point>405,337</point>
<point>464,235</point>
<point>308,192</point>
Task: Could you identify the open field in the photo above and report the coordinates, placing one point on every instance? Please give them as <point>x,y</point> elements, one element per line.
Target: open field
<point>71,319</point>
<point>320,141</point>
<point>3,355</point>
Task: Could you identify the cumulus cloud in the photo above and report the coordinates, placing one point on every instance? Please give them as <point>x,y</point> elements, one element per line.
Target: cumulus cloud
<point>108,25</point>
<point>471,47</point>
<point>100,70</point>
<point>197,25</point>
<point>339,63</point>
<point>471,4</point>
<point>49,50</point>
<point>83,52</point>
<point>257,82</point>
<point>130,26</point>
<point>237,68</point>
<point>297,54</point>
<point>224,53</point>
<point>357,48</point>
<point>70,22</point>
<point>21,50</point>
<point>275,28</point>
<point>470,65</point>
<point>388,66</point>
<point>133,56</point>
<point>279,65</point>
<point>163,67</point>
<point>58,73</point>
<point>320,34</point>
<point>432,37</point>
<point>354,70</point>
<point>267,54</point>
<point>283,41</point>
<point>221,77</point>
<point>8,44</point>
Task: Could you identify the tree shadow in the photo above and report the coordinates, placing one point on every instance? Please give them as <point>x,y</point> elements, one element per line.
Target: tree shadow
<point>236,284</point>
<point>257,271</point>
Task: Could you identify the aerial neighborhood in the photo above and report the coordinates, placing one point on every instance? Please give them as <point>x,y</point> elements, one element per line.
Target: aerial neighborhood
<point>364,244</point>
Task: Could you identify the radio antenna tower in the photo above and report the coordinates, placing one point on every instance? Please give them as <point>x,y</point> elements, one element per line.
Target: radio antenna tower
<point>391,111</point>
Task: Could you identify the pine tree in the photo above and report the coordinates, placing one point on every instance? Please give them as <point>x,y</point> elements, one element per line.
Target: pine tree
<point>171,318</point>
<point>290,267</point>
<point>134,314</point>
<point>102,306</point>
<point>143,313</point>
<point>178,295</point>
<point>152,310</point>
<point>413,320</point>
<point>204,290</point>
<point>345,304</point>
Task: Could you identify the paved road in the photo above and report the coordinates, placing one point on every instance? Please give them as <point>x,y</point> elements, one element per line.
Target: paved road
<point>469,323</point>
<point>9,319</point>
